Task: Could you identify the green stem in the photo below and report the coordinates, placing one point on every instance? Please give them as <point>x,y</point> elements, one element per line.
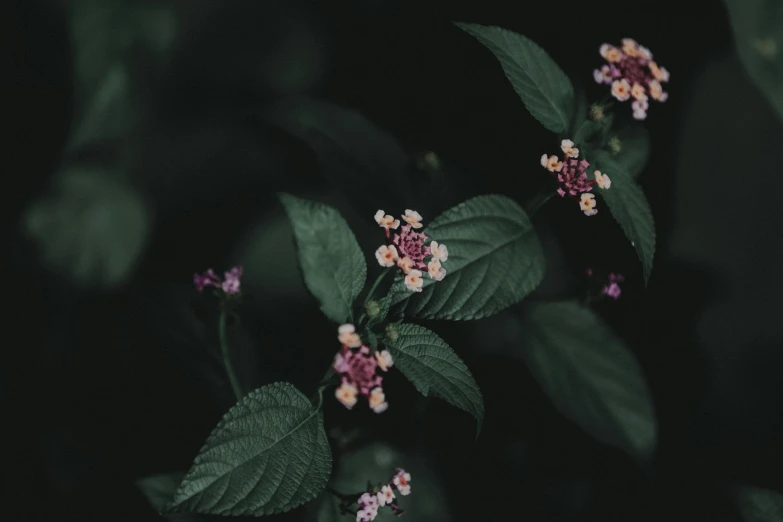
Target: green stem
<point>227,357</point>
<point>375,286</point>
<point>538,202</point>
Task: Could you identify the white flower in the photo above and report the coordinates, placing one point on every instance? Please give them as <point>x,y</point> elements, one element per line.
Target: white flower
<point>645,53</point>
<point>365,515</point>
<point>386,221</point>
<point>611,53</point>
<point>569,149</point>
<point>387,255</point>
<point>346,393</point>
<point>413,281</point>
<point>621,89</point>
<point>401,480</point>
<point>368,500</point>
<point>385,495</point>
<point>587,204</point>
<point>639,114</point>
<point>439,251</point>
<point>348,336</point>
<point>602,180</point>
<point>435,270</point>
<point>552,164</point>
<point>384,359</point>
<point>413,218</point>
<point>405,264</point>
<point>377,400</point>
<point>656,91</point>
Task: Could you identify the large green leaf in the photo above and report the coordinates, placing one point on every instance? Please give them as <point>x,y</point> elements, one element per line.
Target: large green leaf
<point>590,376</point>
<point>160,489</point>
<point>434,369</point>
<point>634,150</point>
<point>332,262</point>
<point>495,260</point>
<point>360,159</point>
<point>630,209</point>
<point>758,35</point>
<point>544,88</point>
<point>269,454</point>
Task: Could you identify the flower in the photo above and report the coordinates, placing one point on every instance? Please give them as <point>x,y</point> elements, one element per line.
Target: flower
<point>621,89</point>
<point>377,400</point>
<point>369,508</point>
<point>208,278</point>
<point>346,393</point>
<point>413,281</point>
<point>348,336</point>
<point>384,359</point>
<point>587,204</point>
<point>385,495</point>
<point>410,244</point>
<point>568,149</point>
<point>401,480</point>
<point>231,280</point>
<point>573,178</point>
<point>611,53</point>
<point>405,264</point>
<point>552,164</point>
<point>435,271</point>
<point>358,368</point>
<point>602,180</point>
<point>365,515</point>
<point>387,255</point>
<point>634,75</point>
<point>413,218</point>
<point>439,251</point>
<point>386,221</point>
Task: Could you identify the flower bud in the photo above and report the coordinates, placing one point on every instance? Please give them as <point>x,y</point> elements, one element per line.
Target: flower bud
<point>614,145</point>
<point>373,308</point>
<point>596,112</point>
<point>392,334</point>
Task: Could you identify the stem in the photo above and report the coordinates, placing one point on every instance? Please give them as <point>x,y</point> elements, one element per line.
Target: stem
<point>339,495</point>
<point>538,202</point>
<point>375,285</point>
<point>227,357</point>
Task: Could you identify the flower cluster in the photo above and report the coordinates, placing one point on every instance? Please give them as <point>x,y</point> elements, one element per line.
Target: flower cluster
<point>632,73</point>
<point>370,502</point>
<point>229,284</point>
<point>609,287</point>
<point>358,368</point>
<point>571,175</point>
<point>408,252</point>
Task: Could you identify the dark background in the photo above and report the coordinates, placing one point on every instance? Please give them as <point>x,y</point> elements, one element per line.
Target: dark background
<point>103,386</point>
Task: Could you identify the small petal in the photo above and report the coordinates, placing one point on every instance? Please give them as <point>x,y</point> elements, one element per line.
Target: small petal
<point>587,202</point>
<point>413,281</point>
<point>405,264</point>
<point>346,394</point>
<point>413,218</point>
<point>439,251</point>
<point>384,359</point>
<point>387,256</point>
<point>602,180</point>
<point>621,89</point>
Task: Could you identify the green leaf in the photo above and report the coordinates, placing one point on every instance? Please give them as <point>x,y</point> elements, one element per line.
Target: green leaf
<point>495,260</point>
<point>332,262</point>
<point>590,376</point>
<point>433,368</point>
<point>758,35</point>
<point>160,489</point>
<point>544,88</point>
<point>354,154</point>
<point>759,505</point>
<point>629,208</point>
<point>269,454</point>
<point>634,150</point>
<point>92,227</point>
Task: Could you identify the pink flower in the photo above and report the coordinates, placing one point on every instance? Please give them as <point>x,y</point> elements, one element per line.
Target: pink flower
<point>377,400</point>
<point>386,221</point>
<point>413,281</point>
<point>410,244</point>
<point>552,163</point>
<point>439,251</point>
<point>231,280</point>
<point>387,255</point>
<point>621,89</point>
<point>587,205</point>
<point>612,288</point>
<point>359,370</point>
<point>568,149</point>
<point>602,180</point>
<point>573,178</point>
<point>611,53</point>
<point>402,481</point>
<point>385,495</point>
<point>435,271</point>
<point>405,264</point>
<point>384,359</point>
<point>605,75</point>
<point>346,394</point>
<point>208,278</point>
<point>413,218</point>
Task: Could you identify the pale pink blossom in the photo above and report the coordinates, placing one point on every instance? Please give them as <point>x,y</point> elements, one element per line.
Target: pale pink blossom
<point>346,393</point>
<point>602,180</point>
<point>587,204</point>
<point>384,359</point>
<point>656,91</point>
<point>551,163</point>
<point>402,481</point>
<point>621,89</point>
<point>611,53</point>
<point>439,251</point>
<point>413,218</point>
<point>436,271</point>
<point>387,255</point>
<point>348,337</point>
<point>568,149</point>
<point>386,221</point>
<point>385,495</point>
<point>405,264</point>
<point>377,400</point>
<point>413,281</point>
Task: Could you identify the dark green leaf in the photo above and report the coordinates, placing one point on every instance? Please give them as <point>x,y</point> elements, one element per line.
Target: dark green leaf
<point>759,505</point>
<point>357,157</point>
<point>92,227</point>
<point>544,88</point>
<point>433,368</point>
<point>269,454</point>
<point>332,262</point>
<point>758,35</point>
<point>629,208</point>
<point>160,489</point>
<point>590,376</point>
<point>634,150</point>
<point>495,260</point>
